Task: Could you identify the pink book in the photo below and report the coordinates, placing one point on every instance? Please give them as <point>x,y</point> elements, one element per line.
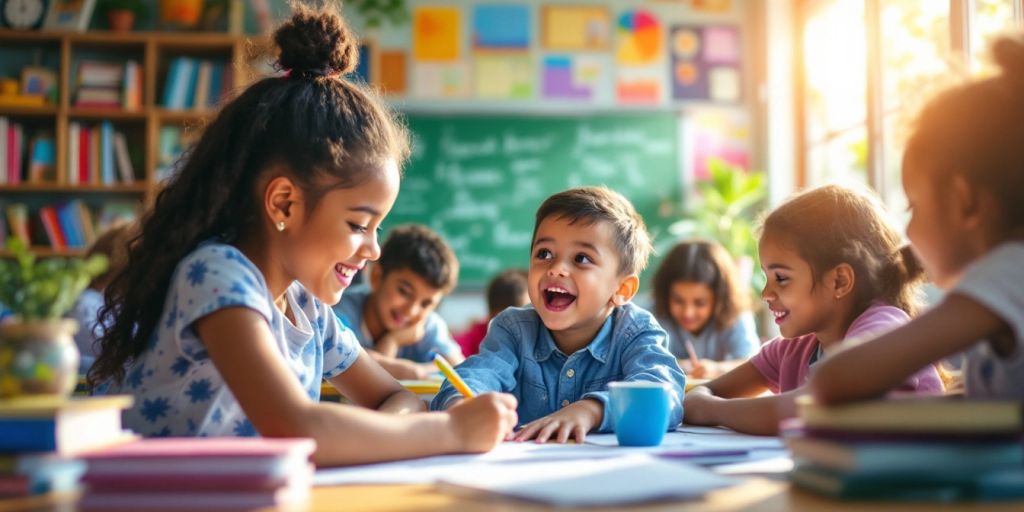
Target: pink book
<point>187,456</point>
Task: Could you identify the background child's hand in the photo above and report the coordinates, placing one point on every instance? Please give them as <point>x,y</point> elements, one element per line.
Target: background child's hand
<point>698,406</point>
<point>409,334</point>
<point>478,424</point>
<point>575,419</point>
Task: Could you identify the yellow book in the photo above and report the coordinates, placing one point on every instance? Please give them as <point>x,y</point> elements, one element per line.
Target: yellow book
<point>918,414</point>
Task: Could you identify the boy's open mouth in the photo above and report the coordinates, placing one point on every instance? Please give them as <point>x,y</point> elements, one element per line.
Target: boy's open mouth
<point>557,299</point>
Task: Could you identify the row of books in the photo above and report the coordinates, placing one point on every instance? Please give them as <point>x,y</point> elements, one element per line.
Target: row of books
<point>54,444</point>
<point>922,449</point>
<point>196,84</point>
<point>20,161</point>
<point>62,226</point>
<point>109,85</point>
<point>98,155</point>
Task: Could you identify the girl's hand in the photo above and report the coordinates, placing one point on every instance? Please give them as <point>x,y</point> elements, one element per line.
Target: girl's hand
<point>698,406</point>
<point>480,423</point>
<point>575,419</point>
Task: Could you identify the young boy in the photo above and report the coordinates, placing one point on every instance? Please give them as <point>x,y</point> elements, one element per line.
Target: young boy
<point>506,290</point>
<point>580,332</point>
<point>394,318</point>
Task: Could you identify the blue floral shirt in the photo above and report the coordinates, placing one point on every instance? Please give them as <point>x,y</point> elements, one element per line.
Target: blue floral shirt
<point>179,392</point>
<point>520,357</point>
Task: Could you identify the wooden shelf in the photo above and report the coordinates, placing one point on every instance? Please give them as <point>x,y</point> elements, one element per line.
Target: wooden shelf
<point>106,113</point>
<point>142,128</point>
<point>42,111</point>
<point>51,188</point>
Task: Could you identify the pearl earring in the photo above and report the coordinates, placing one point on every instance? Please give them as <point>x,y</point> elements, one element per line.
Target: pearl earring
<point>280,226</point>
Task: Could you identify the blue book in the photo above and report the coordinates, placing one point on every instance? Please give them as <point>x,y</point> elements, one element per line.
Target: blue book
<point>173,70</point>
<point>64,426</point>
<point>996,484</point>
<point>190,84</point>
<point>895,457</point>
<point>67,224</point>
<point>107,152</point>
<point>216,82</point>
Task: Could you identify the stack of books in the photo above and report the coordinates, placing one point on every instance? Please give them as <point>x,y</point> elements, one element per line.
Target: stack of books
<point>200,473</point>
<point>42,439</point>
<point>937,449</point>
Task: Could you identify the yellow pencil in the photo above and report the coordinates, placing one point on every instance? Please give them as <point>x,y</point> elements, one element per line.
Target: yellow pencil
<point>449,373</point>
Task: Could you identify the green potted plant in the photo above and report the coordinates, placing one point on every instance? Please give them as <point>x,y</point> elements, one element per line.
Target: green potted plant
<point>729,202</point>
<point>121,14</point>
<point>37,351</point>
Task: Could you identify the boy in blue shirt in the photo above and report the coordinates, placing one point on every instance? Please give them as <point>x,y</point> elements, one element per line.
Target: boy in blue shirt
<point>394,319</point>
<point>580,332</point>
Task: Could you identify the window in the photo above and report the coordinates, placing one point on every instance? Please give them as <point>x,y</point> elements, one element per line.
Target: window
<point>868,66</point>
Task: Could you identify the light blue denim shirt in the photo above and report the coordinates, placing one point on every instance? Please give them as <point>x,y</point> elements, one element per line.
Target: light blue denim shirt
<point>519,356</point>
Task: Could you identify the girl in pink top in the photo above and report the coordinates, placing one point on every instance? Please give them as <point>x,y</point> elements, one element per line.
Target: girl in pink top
<point>835,271</point>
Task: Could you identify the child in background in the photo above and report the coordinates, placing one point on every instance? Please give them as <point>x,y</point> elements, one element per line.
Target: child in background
<point>835,271</point>
<point>394,317</point>
<point>220,323</point>
<point>580,332</point>
<point>506,290</point>
<point>963,173</point>
<point>698,299</point>
<point>114,245</point>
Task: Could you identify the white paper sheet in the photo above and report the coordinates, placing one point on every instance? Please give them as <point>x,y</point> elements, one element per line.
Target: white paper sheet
<point>629,479</point>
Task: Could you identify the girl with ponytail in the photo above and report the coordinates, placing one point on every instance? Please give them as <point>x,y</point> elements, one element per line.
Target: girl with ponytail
<point>220,323</point>
<point>963,173</point>
<point>835,271</point>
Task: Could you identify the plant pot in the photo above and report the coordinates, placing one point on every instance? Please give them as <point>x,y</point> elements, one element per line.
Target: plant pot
<point>38,358</point>
<point>180,13</point>
<point>121,20</point>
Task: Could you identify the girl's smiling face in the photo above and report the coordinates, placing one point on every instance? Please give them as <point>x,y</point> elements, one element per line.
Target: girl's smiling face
<point>324,249</point>
<point>800,305</point>
<point>691,305</point>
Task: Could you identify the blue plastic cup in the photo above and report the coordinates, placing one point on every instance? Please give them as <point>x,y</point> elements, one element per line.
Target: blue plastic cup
<point>639,412</point>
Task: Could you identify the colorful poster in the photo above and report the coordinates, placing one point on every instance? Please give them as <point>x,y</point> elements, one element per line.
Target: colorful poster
<point>393,71</point>
<point>715,133</point>
<point>504,76</point>
<point>575,28</point>
<point>435,34</point>
<point>706,63</point>
<point>639,86</point>
<point>573,77</point>
<point>501,27</point>
<point>640,38</point>
<point>440,80</point>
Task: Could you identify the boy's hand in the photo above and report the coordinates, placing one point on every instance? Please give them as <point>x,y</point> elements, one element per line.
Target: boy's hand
<point>478,424</point>
<point>573,420</point>
<point>409,334</point>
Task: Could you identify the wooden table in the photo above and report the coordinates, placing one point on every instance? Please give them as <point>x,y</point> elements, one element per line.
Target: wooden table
<point>760,494</point>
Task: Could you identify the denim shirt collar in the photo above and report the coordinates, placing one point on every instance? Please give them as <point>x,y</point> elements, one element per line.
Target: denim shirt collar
<point>598,347</point>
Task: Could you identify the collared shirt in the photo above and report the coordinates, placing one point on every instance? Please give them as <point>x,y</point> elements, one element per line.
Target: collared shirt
<point>520,357</point>
<point>436,337</point>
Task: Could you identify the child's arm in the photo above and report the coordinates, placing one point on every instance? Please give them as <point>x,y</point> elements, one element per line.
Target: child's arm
<point>493,369</point>
<point>870,369</point>
<point>365,383</point>
<point>730,401</point>
<point>242,347</point>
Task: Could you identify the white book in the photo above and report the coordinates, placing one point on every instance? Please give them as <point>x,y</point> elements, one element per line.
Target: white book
<point>124,162</point>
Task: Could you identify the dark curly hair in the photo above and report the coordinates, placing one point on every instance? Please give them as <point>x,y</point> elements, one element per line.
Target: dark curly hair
<point>324,131</point>
<point>707,263</point>
<point>417,248</point>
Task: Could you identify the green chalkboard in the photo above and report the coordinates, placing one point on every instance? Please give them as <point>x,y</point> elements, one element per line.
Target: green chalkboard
<point>478,180</point>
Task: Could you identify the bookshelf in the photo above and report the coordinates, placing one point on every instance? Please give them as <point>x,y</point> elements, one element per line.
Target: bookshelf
<point>139,123</point>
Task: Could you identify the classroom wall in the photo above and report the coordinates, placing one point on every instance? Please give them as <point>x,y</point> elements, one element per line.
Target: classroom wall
<point>707,128</point>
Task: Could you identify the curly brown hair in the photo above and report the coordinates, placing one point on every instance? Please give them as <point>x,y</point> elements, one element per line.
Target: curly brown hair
<point>328,133</point>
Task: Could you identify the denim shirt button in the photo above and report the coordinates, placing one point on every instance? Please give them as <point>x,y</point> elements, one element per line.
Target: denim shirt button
<point>570,373</point>
<point>565,403</point>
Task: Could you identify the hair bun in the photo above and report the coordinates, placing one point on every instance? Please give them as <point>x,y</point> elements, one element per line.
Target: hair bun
<point>1008,52</point>
<point>910,264</point>
<point>316,41</point>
